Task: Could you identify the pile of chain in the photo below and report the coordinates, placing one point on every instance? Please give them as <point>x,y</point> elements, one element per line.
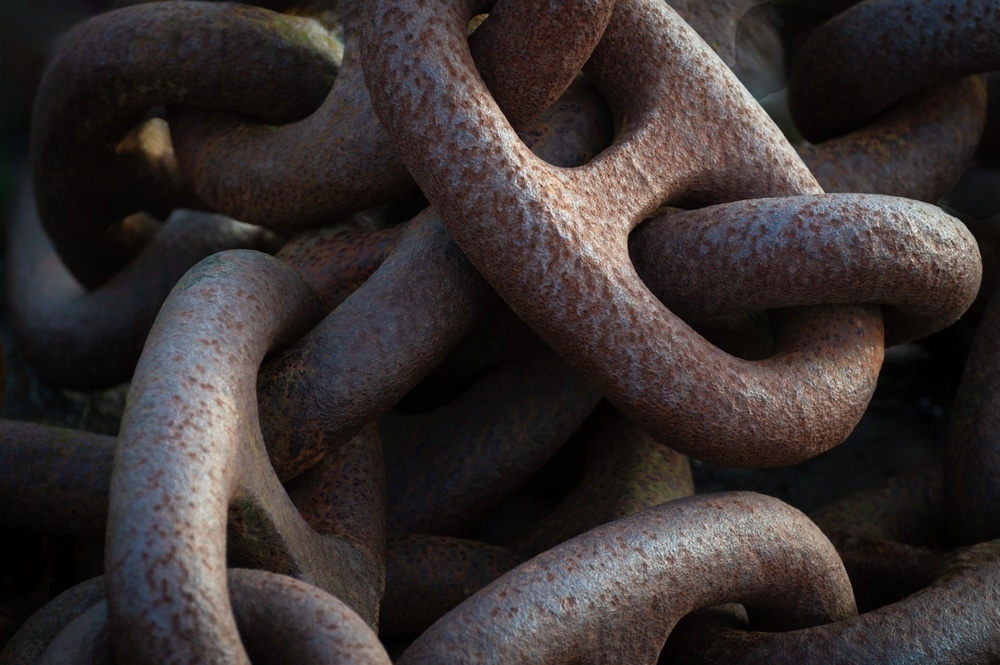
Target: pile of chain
<point>475,242</point>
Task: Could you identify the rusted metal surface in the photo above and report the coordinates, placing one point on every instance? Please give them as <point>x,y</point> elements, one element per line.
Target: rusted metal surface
<point>626,472</point>
<point>92,97</point>
<point>369,352</point>
<point>943,623</point>
<point>336,260</point>
<point>355,165</point>
<point>280,619</point>
<point>88,340</point>
<point>483,445</point>
<point>920,263</point>
<point>892,538</point>
<point>639,354</point>
<point>613,594</point>
<point>917,149</point>
<point>190,448</point>
<point>916,43</point>
<point>651,237</point>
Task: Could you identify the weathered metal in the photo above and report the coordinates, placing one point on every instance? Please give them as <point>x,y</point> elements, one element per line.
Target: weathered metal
<point>626,471</point>
<point>653,227</point>
<point>483,445</point>
<point>280,619</point>
<point>916,149</point>
<point>573,281</point>
<point>944,623</point>
<point>110,71</point>
<point>353,164</point>
<point>613,595</point>
<point>190,453</point>
<point>88,340</point>
<point>921,264</point>
<point>880,51</point>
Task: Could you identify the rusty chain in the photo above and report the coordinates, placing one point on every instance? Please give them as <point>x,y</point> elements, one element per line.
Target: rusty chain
<point>471,265</point>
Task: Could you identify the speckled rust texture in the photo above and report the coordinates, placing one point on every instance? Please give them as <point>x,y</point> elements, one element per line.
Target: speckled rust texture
<point>943,623</point>
<point>280,620</point>
<point>613,595</point>
<point>335,260</point>
<point>190,454</point>
<point>880,51</point>
<point>369,352</point>
<point>555,245</point>
<point>916,149</point>
<point>921,264</point>
<point>91,96</point>
<point>340,159</point>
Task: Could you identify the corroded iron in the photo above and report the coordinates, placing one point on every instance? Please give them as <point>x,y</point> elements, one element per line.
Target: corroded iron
<point>88,175</point>
<point>416,308</point>
<point>916,149</point>
<point>626,472</point>
<point>86,340</point>
<point>190,448</point>
<point>483,445</point>
<point>613,594</point>
<point>879,51</point>
<point>280,619</point>
<point>354,165</point>
<point>892,538</point>
<point>920,263</point>
<point>639,354</point>
<point>653,227</point>
<point>943,623</point>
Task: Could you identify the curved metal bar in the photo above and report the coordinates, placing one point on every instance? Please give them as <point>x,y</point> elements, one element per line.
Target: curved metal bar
<point>483,445</point>
<point>427,576</point>
<point>405,319</point>
<point>613,594</point>
<point>917,149</point>
<point>353,165</point>
<point>280,620</point>
<point>54,480</point>
<point>110,70</point>
<point>972,463</point>
<point>190,448</point>
<point>88,340</point>
<point>916,44</point>
<point>941,624</point>
<point>626,471</point>
<point>921,264</point>
<point>30,641</point>
<point>890,537</point>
